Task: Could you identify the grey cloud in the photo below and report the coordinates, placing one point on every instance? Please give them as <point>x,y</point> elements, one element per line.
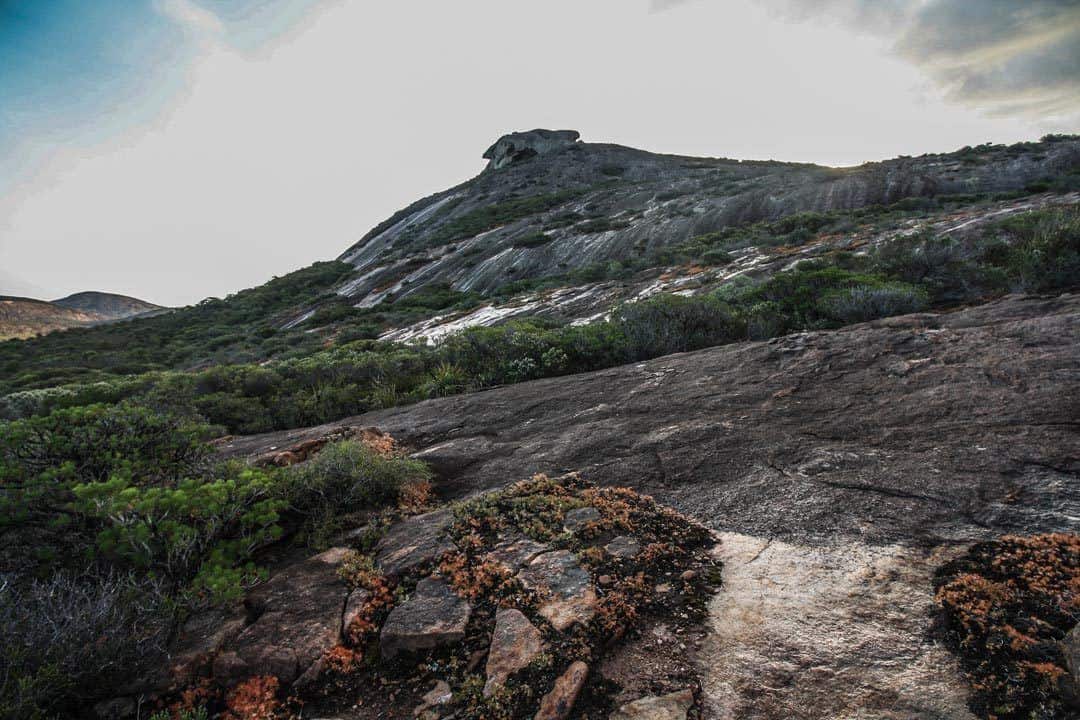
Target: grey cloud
<point>1009,57</point>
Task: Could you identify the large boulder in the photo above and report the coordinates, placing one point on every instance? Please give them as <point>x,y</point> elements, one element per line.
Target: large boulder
<point>523,145</point>
<point>433,617</point>
<point>298,619</point>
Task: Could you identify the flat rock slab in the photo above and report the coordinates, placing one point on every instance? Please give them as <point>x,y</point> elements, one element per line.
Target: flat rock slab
<point>665,707</point>
<point>808,632</point>
<point>414,543</point>
<point>624,547</point>
<point>298,620</point>
<point>514,644</point>
<point>433,617</point>
<point>558,703</point>
<point>580,517</point>
<point>516,551</point>
<point>571,598</point>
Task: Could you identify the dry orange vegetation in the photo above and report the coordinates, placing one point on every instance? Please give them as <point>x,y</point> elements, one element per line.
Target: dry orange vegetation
<point>1006,605</point>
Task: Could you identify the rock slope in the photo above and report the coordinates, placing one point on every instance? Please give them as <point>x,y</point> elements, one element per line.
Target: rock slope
<point>548,205</point>
<point>840,468</point>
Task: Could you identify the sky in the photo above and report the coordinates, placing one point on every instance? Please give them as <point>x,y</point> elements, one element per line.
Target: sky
<point>179,149</point>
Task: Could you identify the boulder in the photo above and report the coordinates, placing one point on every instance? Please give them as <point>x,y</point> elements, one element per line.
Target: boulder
<point>579,517</point>
<point>514,644</point>
<point>298,619</point>
<point>523,145</point>
<point>665,707</point>
<point>569,596</point>
<point>558,703</point>
<point>432,618</point>
<point>414,543</point>
<point>624,547</point>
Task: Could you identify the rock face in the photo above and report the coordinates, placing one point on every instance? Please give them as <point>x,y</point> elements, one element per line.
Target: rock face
<point>666,707</point>
<point>570,597</point>
<point>558,703</point>
<point>432,617</point>
<point>515,643</point>
<point>580,517</point>
<point>623,547</point>
<point>298,619</point>
<point>413,543</point>
<point>1070,648</point>
<point>839,485</point>
<point>524,145</point>
<point>644,202</point>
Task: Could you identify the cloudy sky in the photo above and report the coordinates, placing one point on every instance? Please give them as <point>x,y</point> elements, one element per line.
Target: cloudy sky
<point>176,149</point>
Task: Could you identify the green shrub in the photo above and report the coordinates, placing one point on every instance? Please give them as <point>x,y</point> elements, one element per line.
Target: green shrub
<point>342,480</point>
<point>862,302</point>
<point>668,324</point>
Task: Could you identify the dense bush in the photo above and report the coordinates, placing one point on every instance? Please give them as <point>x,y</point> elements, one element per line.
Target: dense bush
<point>670,323</point>
<point>343,479</point>
<point>66,641</point>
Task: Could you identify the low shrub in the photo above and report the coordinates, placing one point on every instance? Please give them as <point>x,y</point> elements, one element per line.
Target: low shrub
<point>65,641</point>
<point>863,302</point>
<point>345,478</point>
<point>1005,606</point>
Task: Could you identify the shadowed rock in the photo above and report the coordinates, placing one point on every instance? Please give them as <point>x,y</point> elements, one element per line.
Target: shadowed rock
<point>414,543</point>
<point>558,703</point>
<point>623,547</point>
<point>580,517</point>
<point>432,618</point>
<point>298,619</point>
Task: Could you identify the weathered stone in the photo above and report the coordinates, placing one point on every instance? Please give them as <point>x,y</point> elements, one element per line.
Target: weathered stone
<point>514,644</point>
<point>515,552</point>
<point>624,547</point>
<point>353,608</point>
<point>1070,648</point>
<point>199,640</point>
<point>116,709</point>
<point>432,618</point>
<point>665,707</point>
<point>299,619</point>
<point>579,517</point>
<point>558,703</point>
<point>438,695</point>
<point>413,543</point>
<point>569,594</point>
<point>523,145</point>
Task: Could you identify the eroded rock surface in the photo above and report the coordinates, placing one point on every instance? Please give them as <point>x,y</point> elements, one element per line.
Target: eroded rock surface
<point>298,619</point>
<point>413,543</point>
<point>515,643</point>
<point>567,588</point>
<point>434,616</point>
<point>842,467</point>
<point>673,706</point>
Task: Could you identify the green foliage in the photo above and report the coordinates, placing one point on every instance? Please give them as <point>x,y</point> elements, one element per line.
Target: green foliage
<point>203,530</point>
<point>668,324</point>
<point>342,480</point>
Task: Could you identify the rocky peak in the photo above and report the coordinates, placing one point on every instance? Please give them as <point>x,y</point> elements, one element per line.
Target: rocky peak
<point>523,145</point>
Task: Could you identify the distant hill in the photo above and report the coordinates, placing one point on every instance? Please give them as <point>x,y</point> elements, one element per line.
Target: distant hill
<point>26,317</point>
<point>107,305</point>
